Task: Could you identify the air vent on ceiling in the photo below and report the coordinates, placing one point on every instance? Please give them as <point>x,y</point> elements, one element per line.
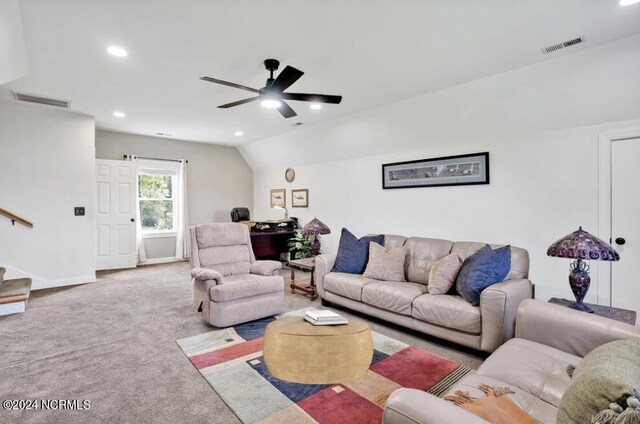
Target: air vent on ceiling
<point>563,45</point>
<point>32,98</point>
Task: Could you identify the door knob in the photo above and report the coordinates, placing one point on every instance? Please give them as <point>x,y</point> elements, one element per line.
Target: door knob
<point>620,241</point>
<point>134,220</point>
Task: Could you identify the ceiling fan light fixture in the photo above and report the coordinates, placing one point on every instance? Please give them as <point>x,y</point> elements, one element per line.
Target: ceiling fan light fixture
<point>270,102</point>
<point>315,106</point>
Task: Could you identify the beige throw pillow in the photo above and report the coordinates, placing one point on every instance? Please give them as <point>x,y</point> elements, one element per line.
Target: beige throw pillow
<point>385,264</point>
<point>443,274</point>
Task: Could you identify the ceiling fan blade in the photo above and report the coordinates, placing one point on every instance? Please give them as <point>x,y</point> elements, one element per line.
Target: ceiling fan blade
<point>286,78</point>
<point>320,98</point>
<point>238,103</point>
<point>286,111</point>
<point>230,84</point>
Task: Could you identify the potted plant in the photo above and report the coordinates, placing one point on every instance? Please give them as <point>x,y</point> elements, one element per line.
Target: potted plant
<point>300,245</point>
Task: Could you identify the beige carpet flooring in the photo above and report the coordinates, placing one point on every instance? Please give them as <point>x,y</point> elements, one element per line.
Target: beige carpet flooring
<point>113,343</point>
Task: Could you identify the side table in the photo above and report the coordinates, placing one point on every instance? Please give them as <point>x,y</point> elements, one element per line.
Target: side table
<point>306,264</point>
<point>622,315</point>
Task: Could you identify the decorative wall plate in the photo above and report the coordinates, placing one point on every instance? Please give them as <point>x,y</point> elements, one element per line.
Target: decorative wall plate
<point>289,175</point>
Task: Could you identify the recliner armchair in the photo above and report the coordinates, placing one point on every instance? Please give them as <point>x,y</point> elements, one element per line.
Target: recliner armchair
<point>229,285</point>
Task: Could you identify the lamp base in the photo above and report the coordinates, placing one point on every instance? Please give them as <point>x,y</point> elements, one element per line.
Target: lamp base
<point>579,280</point>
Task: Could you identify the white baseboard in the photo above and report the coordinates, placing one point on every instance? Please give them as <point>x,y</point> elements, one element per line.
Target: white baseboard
<point>161,261</point>
<point>40,284</point>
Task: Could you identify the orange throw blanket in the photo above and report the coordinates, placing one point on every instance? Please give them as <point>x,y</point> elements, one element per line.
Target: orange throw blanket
<point>496,408</point>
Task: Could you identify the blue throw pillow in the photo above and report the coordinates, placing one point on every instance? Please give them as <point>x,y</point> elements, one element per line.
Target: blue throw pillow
<point>353,253</point>
<point>481,270</point>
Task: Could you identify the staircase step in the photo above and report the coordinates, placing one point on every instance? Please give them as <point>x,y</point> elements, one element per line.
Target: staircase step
<point>17,287</point>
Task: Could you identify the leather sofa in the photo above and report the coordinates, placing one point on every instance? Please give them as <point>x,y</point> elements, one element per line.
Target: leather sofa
<point>448,316</point>
<point>229,285</point>
<point>534,365</point>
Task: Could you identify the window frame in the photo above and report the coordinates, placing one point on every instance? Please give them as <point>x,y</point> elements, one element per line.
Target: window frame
<point>146,233</point>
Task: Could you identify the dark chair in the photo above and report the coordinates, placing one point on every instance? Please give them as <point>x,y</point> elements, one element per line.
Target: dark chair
<point>240,214</point>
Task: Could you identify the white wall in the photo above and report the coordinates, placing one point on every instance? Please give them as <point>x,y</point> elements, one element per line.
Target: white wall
<point>539,123</point>
<point>13,52</point>
<point>219,179</point>
<point>47,159</point>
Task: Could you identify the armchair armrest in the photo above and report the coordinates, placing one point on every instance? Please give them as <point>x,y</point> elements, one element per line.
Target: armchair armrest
<point>411,406</point>
<point>205,274</point>
<point>569,330</point>
<point>498,308</point>
<point>265,267</point>
<point>324,265</point>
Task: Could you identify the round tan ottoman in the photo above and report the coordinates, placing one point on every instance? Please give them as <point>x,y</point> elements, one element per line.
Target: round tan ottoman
<point>297,351</point>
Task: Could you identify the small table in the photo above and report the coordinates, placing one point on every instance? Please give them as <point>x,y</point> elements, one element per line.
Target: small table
<point>306,264</point>
<point>622,315</point>
<point>297,351</point>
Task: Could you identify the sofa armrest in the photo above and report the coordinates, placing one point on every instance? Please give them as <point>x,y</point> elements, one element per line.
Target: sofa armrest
<point>569,330</point>
<point>498,308</point>
<point>265,267</point>
<point>205,274</point>
<point>411,406</point>
<point>324,265</point>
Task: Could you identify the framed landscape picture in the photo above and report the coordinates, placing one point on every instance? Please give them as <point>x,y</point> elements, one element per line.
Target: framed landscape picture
<point>444,171</point>
<point>278,197</point>
<point>300,198</point>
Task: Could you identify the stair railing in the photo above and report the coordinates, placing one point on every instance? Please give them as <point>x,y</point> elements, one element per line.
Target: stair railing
<point>15,218</point>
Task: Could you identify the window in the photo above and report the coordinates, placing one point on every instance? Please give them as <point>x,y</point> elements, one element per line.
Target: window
<point>156,194</point>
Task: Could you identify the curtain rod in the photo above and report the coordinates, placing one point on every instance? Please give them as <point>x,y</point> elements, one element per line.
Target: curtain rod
<point>144,157</point>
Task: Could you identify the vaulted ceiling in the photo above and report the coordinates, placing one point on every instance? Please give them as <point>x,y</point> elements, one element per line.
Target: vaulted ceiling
<point>373,52</point>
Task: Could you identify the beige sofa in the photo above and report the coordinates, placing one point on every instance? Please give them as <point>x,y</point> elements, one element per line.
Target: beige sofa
<point>450,317</point>
<point>534,365</point>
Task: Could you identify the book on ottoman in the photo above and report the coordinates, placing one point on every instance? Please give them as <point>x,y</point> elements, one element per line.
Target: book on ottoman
<point>324,317</point>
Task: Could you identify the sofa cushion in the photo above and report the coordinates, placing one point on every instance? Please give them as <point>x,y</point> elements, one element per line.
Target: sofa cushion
<point>442,276</point>
<point>393,240</point>
<point>243,286</point>
<point>422,253</point>
<point>353,253</point>
<point>519,256</point>
<point>346,285</point>
<point>392,296</point>
<point>539,410</point>
<point>449,311</point>
<point>607,374</point>
<point>481,270</point>
<point>227,260</point>
<point>222,234</point>
<point>385,264</point>
<point>536,368</point>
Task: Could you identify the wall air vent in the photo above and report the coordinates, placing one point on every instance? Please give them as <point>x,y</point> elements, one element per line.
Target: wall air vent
<point>563,45</point>
<point>32,98</point>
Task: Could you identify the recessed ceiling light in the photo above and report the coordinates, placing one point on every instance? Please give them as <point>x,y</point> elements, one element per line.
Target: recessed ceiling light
<point>238,133</point>
<point>315,106</point>
<point>117,51</point>
<point>118,114</point>
<point>628,2</point>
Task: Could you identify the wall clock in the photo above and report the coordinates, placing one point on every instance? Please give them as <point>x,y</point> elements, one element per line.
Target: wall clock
<point>290,175</point>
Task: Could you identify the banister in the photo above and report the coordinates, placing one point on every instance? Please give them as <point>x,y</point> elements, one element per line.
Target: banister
<point>15,218</point>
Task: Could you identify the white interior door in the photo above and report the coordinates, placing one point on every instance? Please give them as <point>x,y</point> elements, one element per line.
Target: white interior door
<point>115,214</point>
<point>625,223</point>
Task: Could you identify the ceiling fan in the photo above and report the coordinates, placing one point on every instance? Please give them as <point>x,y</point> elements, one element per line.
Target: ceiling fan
<point>272,95</point>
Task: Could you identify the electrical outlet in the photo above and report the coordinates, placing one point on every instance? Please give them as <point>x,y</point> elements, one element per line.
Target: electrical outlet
<point>78,211</point>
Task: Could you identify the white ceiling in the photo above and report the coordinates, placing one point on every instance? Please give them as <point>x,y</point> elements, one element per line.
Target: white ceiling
<point>372,52</point>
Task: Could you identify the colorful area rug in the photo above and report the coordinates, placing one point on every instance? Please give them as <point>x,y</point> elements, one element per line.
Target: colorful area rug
<point>231,361</point>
